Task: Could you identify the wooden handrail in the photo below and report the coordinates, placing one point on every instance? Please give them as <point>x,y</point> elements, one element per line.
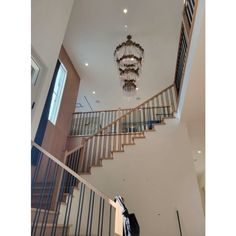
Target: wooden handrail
<point>78,177</point>
<point>131,110</point>
<point>74,149</point>
<point>85,112</point>
<point>136,108</point>
<point>114,110</point>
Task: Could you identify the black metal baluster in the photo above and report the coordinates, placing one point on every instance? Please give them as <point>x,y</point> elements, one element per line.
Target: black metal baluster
<point>110,220</point>
<point>78,127</point>
<point>90,157</point>
<point>95,155</point>
<point>91,214</point>
<point>80,210</point>
<point>190,13</point>
<point>89,124</point>
<point>101,231</point>
<point>99,216</point>
<point>167,100</point>
<point>73,125</point>
<point>49,200</point>
<point>187,17</point>
<point>88,218</point>
<point>153,110</point>
<point>83,123</point>
<point>77,161</point>
<point>109,136</point>
<point>85,157</point>
<point>102,121</point>
<point>86,124</point>
<point>190,6</point>
<point>36,171</point>
<point>37,213</point>
<point>105,119</point>
<point>181,60</point>
<point>59,200</point>
<point>69,203</point>
<point>172,100</point>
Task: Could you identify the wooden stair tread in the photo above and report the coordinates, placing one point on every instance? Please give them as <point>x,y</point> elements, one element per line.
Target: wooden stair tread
<point>49,211</point>
<point>51,225</point>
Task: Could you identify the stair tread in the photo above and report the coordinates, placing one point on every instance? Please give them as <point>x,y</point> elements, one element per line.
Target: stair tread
<point>50,211</point>
<point>51,224</point>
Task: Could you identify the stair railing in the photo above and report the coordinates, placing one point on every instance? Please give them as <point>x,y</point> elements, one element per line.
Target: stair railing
<point>189,14</point>
<point>123,131</point>
<point>63,203</point>
<point>88,123</point>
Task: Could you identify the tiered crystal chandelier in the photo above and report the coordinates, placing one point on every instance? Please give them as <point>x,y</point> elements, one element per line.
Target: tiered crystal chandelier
<point>129,58</point>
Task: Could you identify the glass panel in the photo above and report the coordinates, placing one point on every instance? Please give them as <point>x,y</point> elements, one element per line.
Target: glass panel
<point>57,94</point>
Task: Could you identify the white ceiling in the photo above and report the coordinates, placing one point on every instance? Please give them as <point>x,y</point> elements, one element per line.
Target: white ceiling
<point>97,27</point>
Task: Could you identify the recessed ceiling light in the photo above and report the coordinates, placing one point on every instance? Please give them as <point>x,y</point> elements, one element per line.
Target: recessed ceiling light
<point>126,26</point>
<point>199,151</point>
<point>136,88</point>
<point>86,64</point>
<point>132,58</point>
<point>125,10</point>
<point>94,92</point>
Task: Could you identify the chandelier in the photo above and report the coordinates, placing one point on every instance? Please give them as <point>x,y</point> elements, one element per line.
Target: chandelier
<point>129,58</point>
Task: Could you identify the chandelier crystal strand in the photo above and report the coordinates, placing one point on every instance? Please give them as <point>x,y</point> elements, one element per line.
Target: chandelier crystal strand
<point>129,58</point>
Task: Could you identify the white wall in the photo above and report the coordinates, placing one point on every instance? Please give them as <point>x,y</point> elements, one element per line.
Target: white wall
<point>49,19</point>
<point>156,176</point>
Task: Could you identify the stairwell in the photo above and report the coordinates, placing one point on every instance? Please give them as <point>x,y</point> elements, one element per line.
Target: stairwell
<point>144,155</point>
<point>145,167</point>
<point>56,204</point>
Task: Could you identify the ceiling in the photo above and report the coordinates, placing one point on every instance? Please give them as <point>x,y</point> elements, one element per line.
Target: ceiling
<point>97,27</point>
<point>193,113</point>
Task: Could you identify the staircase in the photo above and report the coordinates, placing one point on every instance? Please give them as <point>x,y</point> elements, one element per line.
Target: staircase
<point>122,131</point>
<point>63,203</point>
<point>58,190</point>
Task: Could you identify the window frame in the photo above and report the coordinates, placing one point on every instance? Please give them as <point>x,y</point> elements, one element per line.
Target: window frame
<point>57,95</point>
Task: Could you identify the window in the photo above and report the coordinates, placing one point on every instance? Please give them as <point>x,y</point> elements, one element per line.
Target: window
<point>34,71</point>
<point>57,94</point>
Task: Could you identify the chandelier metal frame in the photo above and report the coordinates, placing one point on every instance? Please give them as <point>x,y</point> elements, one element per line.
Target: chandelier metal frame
<point>129,58</point>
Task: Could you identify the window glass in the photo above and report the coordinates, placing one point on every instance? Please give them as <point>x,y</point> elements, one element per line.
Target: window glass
<point>57,94</point>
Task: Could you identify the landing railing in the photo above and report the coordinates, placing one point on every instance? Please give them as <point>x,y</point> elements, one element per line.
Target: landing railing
<point>88,123</point>
<point>123,131</point>
<point>189,12</point>
<point>63,203</point>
